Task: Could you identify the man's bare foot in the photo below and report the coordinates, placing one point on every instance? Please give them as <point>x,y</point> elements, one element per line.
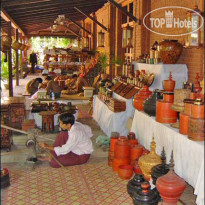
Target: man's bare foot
<point>44,157</point>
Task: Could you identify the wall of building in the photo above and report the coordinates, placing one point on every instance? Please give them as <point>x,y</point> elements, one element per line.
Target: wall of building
<point>193,57</point>
<point>143,38</point>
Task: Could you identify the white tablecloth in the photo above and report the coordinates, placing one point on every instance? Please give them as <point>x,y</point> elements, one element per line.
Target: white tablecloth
<point>109,121</point>
<point>188,154</point>
<point>161,72</point>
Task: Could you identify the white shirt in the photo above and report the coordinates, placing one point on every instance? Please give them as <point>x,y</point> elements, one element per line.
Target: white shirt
<point>78,142</point>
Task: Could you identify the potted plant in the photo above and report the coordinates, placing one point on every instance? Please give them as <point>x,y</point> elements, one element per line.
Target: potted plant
<point>103,63</point>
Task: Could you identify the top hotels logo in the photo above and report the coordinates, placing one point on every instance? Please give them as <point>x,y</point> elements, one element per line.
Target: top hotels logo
<point>169,21</point>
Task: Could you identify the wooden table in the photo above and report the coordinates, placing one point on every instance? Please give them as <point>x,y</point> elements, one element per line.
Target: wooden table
<point>47,120</point>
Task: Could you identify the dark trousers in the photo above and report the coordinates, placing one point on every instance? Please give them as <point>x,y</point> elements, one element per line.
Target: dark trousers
<point>33,67</point>
<point>69,159</point>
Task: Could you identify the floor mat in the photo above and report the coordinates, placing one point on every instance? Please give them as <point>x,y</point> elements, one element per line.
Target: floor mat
<point>89,184</point>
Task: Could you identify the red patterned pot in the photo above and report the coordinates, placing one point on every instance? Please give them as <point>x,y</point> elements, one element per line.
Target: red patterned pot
<point>170,51</point>
<point>170,186</point>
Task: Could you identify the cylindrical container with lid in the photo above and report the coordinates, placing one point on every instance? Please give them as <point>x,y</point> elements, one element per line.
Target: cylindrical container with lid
<point>183,123</point>
<point>132,139</point>
<point>168,97</point>
<point>136,152</point>
<point>196,129</point>
<point>121,153</point>
<point>164,114</point>
<point>198,109</point>
<point>122,148</point>
<point>196,121</point>
<point>113,139</point>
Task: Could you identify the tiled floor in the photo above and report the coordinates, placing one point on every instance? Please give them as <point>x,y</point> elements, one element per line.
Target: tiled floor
<point>19,153</point>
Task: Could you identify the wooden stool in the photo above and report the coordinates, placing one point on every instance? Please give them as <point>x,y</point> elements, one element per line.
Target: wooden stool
<point>47,120</point>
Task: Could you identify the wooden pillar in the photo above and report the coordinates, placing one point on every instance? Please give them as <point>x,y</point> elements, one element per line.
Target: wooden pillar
<point>10,63</point>
<point>118,39</point>
<point>83,39</point>
<point>94,31</point>
<point>21,40</point>
<point>111,38</point>
<point>17,60</point>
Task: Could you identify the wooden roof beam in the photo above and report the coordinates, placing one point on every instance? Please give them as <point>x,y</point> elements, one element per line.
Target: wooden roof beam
<point>93,19</point>
<point>53,10</point>
<point>81,27</point>
<point>32,8</point>
<point>123,10</point>
<point>7,18</point>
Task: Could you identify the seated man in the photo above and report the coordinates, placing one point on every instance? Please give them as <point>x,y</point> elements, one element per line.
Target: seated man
<point>33,85</point>
<point>72,147</point>
<point>52,86</point>
<point>76,83</point>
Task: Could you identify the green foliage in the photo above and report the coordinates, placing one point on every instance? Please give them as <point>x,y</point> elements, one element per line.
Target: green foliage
<point>5,69</point>
<point>116,60</point>
<point>39,43</point>
<point>103,62</point>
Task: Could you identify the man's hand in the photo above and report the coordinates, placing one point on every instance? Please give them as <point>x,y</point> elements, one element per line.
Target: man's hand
<point>46,146</point>
<point>43,145</point>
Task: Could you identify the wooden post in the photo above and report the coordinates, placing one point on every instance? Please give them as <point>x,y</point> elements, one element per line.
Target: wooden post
<point>17,60</point>
<point>111,37</point>
<point>21,58</point>
<point>83,39</point>
<point>94,37</point>
<point>10,63</point>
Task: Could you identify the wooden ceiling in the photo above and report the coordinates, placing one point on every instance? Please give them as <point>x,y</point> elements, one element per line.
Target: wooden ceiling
<point>35,17</point>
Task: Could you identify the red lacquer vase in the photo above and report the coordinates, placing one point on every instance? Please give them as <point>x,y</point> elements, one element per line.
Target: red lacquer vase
<point>140,98</point>
<point>170,186</point>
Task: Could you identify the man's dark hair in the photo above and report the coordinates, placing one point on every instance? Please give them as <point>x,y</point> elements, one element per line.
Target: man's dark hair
<point>67,118</point>
<point>39,80</point>
<point>48,78</point>
<point>74,76</point>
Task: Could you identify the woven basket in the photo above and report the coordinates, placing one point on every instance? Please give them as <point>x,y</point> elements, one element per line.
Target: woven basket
<point>5,42</point>
<point>16,45</point>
